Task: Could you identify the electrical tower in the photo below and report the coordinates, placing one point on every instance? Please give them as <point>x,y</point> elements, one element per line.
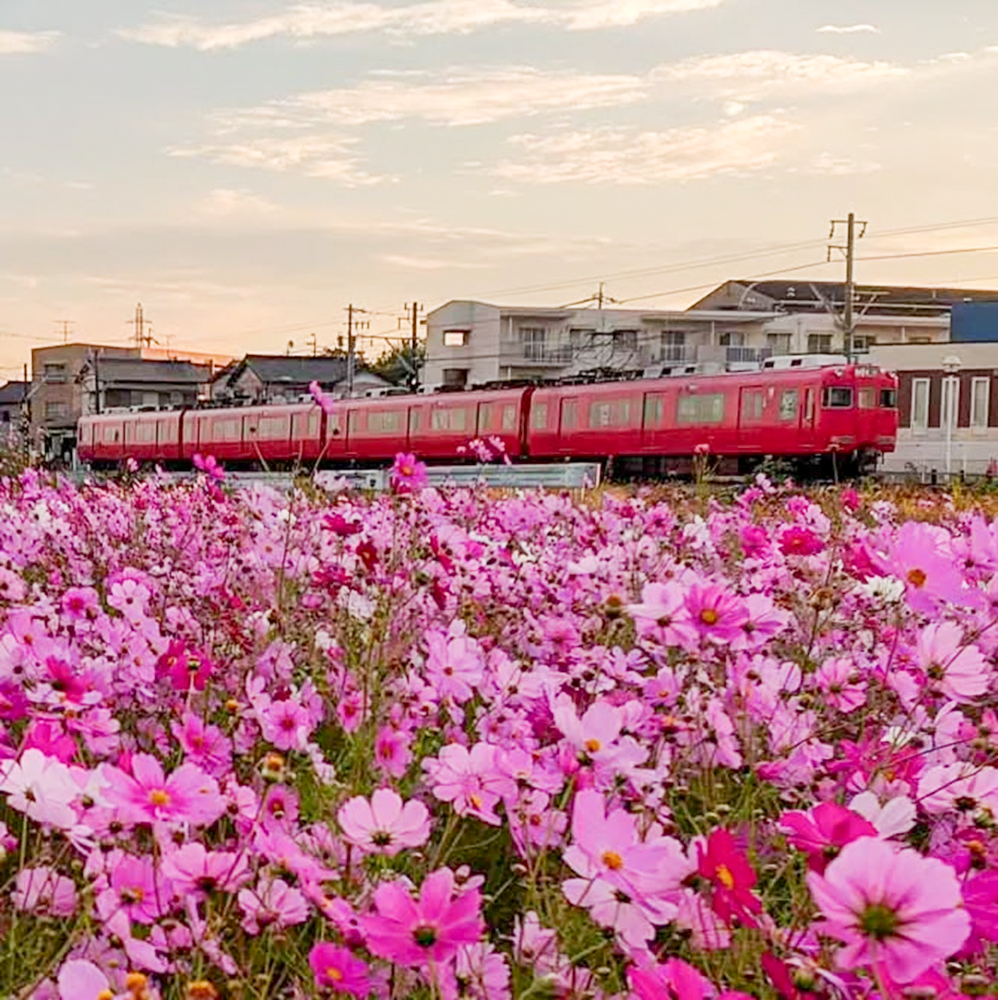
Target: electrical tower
<point>140,323</point>
<point>65,325</point>
<point>412,312</point>
<point>352,326</point>
<point>849,250</point>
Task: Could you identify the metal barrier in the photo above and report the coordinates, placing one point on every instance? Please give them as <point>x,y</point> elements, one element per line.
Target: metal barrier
<point>565,476</point>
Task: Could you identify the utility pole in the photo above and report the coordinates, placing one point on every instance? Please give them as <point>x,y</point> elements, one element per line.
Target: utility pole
<point>96,360</point>
<point>599,296</point>
<point>848,320</point>
<point>315,345</point>
<point>352,326</point>
<point>65,324</point>
<point>414,374</point>
<point>140,323</point>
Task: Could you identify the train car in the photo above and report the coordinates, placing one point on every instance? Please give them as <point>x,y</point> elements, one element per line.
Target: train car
<point>255,436</point>
<point>654,426</point>
<point>441,426</point>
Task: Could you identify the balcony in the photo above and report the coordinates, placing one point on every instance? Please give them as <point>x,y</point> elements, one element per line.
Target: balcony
<point>536,353</point>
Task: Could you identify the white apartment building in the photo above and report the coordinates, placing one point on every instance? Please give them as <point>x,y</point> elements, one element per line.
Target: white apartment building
<point>471,343</point>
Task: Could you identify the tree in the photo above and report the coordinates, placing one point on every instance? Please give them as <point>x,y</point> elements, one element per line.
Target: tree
<point>399,365</point>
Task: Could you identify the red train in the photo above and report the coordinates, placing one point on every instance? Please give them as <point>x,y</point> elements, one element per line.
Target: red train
<point>643,427</point>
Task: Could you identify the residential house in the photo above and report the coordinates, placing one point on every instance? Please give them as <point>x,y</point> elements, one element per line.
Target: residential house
<point>12,401</point>
<point>260,378</point>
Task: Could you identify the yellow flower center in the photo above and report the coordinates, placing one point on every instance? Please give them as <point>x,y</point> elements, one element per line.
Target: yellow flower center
<point>159,797</point>
<point>105,995</point>
<point>725,877</point>
<point>916,577</point>
<point>613,860</point>
<point>709,616</point>
<point>476,801</point>
<point>334,974</point>
<point>593,745</point>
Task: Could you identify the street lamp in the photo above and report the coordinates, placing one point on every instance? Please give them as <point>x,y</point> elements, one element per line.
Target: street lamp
<point>951,365</point>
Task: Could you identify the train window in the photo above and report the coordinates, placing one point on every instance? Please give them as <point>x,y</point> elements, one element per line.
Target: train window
<point>889,398</point>
<point>226,430</point>
<point>613,413</point>
<point>509,418</point>
<point>867,399</point>
<point>788,404</point>
<point>700,408</point>
<point>332,423</point>
<point>569,414</point>
<point>273,428</point>
<point>413,420</point>
<point>809,407</point>
<point>485,417</point>
<point>753,403</point>
<point>384,422</point>
<point>449,420</point>
<point>654,407</point>
<point>836,397</point>
<point>145,433</point>
<point>539,416</point>
<point>353,421</point>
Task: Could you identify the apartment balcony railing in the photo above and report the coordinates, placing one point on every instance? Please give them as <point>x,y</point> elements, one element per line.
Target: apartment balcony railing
<point>537,353</point>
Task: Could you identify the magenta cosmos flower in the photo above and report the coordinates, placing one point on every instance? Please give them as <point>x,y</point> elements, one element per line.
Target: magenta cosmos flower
<point>893,910</point>
<point>386,824</point>
<point>408,473</point>
<point>822,832</point>
<point>339,970</point>
<point>416,932</point>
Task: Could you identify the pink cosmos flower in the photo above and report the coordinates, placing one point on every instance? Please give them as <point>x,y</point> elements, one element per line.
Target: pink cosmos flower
<point>185,668</point>
<point>392,752</point>
<point>724,864</point>
<point>959,787</point>
<point>454,663</point>
<point>823,831</point>
<point>384,825</point>
<point>717,614</point>
<point>408,473</point>
<point>80,603</point>
<point>41,787</point>
<point>471,781</point>
<point>338,969</point>
<point>482,972</point>
<point>896,910</point>
<point>921,556</point>
<point>81,980</point>
<point>208,464</point>
<point>136,889</point>
<point>951,666</point>
<point>662,615</point>
<point>272,903</point>
<point>672,980</point>
<point>595,735</point>
<point>286,724</point>
<point>130,598</point>
<point>842,686</point>
<point>798,541</point>
<point>195,871</point>
<point>148,796</point>
<point>430,929</point>
<point>326,403</point>
<point>43,890</point>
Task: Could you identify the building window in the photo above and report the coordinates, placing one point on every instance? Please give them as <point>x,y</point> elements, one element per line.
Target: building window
<point>819,343</point>
<point>980,401</point>
<point>534,340</point>
<point>625,340</point>
<point>701,408</point>
<point>950,403</point>
<point>455,378</point>
<point>778,343</point>
<point>56,410</point>
<point>673,345</point>
<point>920,404</point>
<point>862,345</point>
<point>456,338</point>
<point>55,372</point>
<point>733,338</point>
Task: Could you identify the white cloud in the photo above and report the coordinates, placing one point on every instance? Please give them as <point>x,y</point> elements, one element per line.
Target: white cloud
<point>308,21</point>
<point>24,43</point>
<point>462,96</point>
<point>322,156</point>
<point>840,166</point>
<point>426,263</point>
<point>748,76</point>
<point>621,156</point>
<point>227,202</point>
<point>848,29</point>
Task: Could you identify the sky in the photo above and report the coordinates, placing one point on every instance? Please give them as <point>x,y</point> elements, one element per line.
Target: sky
<point>248,168</point>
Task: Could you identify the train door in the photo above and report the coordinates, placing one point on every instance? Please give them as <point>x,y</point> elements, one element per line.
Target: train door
<point>753,414</point>
<point>808,417</point>
<point>568,424</point>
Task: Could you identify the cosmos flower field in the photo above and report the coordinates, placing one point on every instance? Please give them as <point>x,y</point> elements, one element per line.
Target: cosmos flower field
<point>450,744</point>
